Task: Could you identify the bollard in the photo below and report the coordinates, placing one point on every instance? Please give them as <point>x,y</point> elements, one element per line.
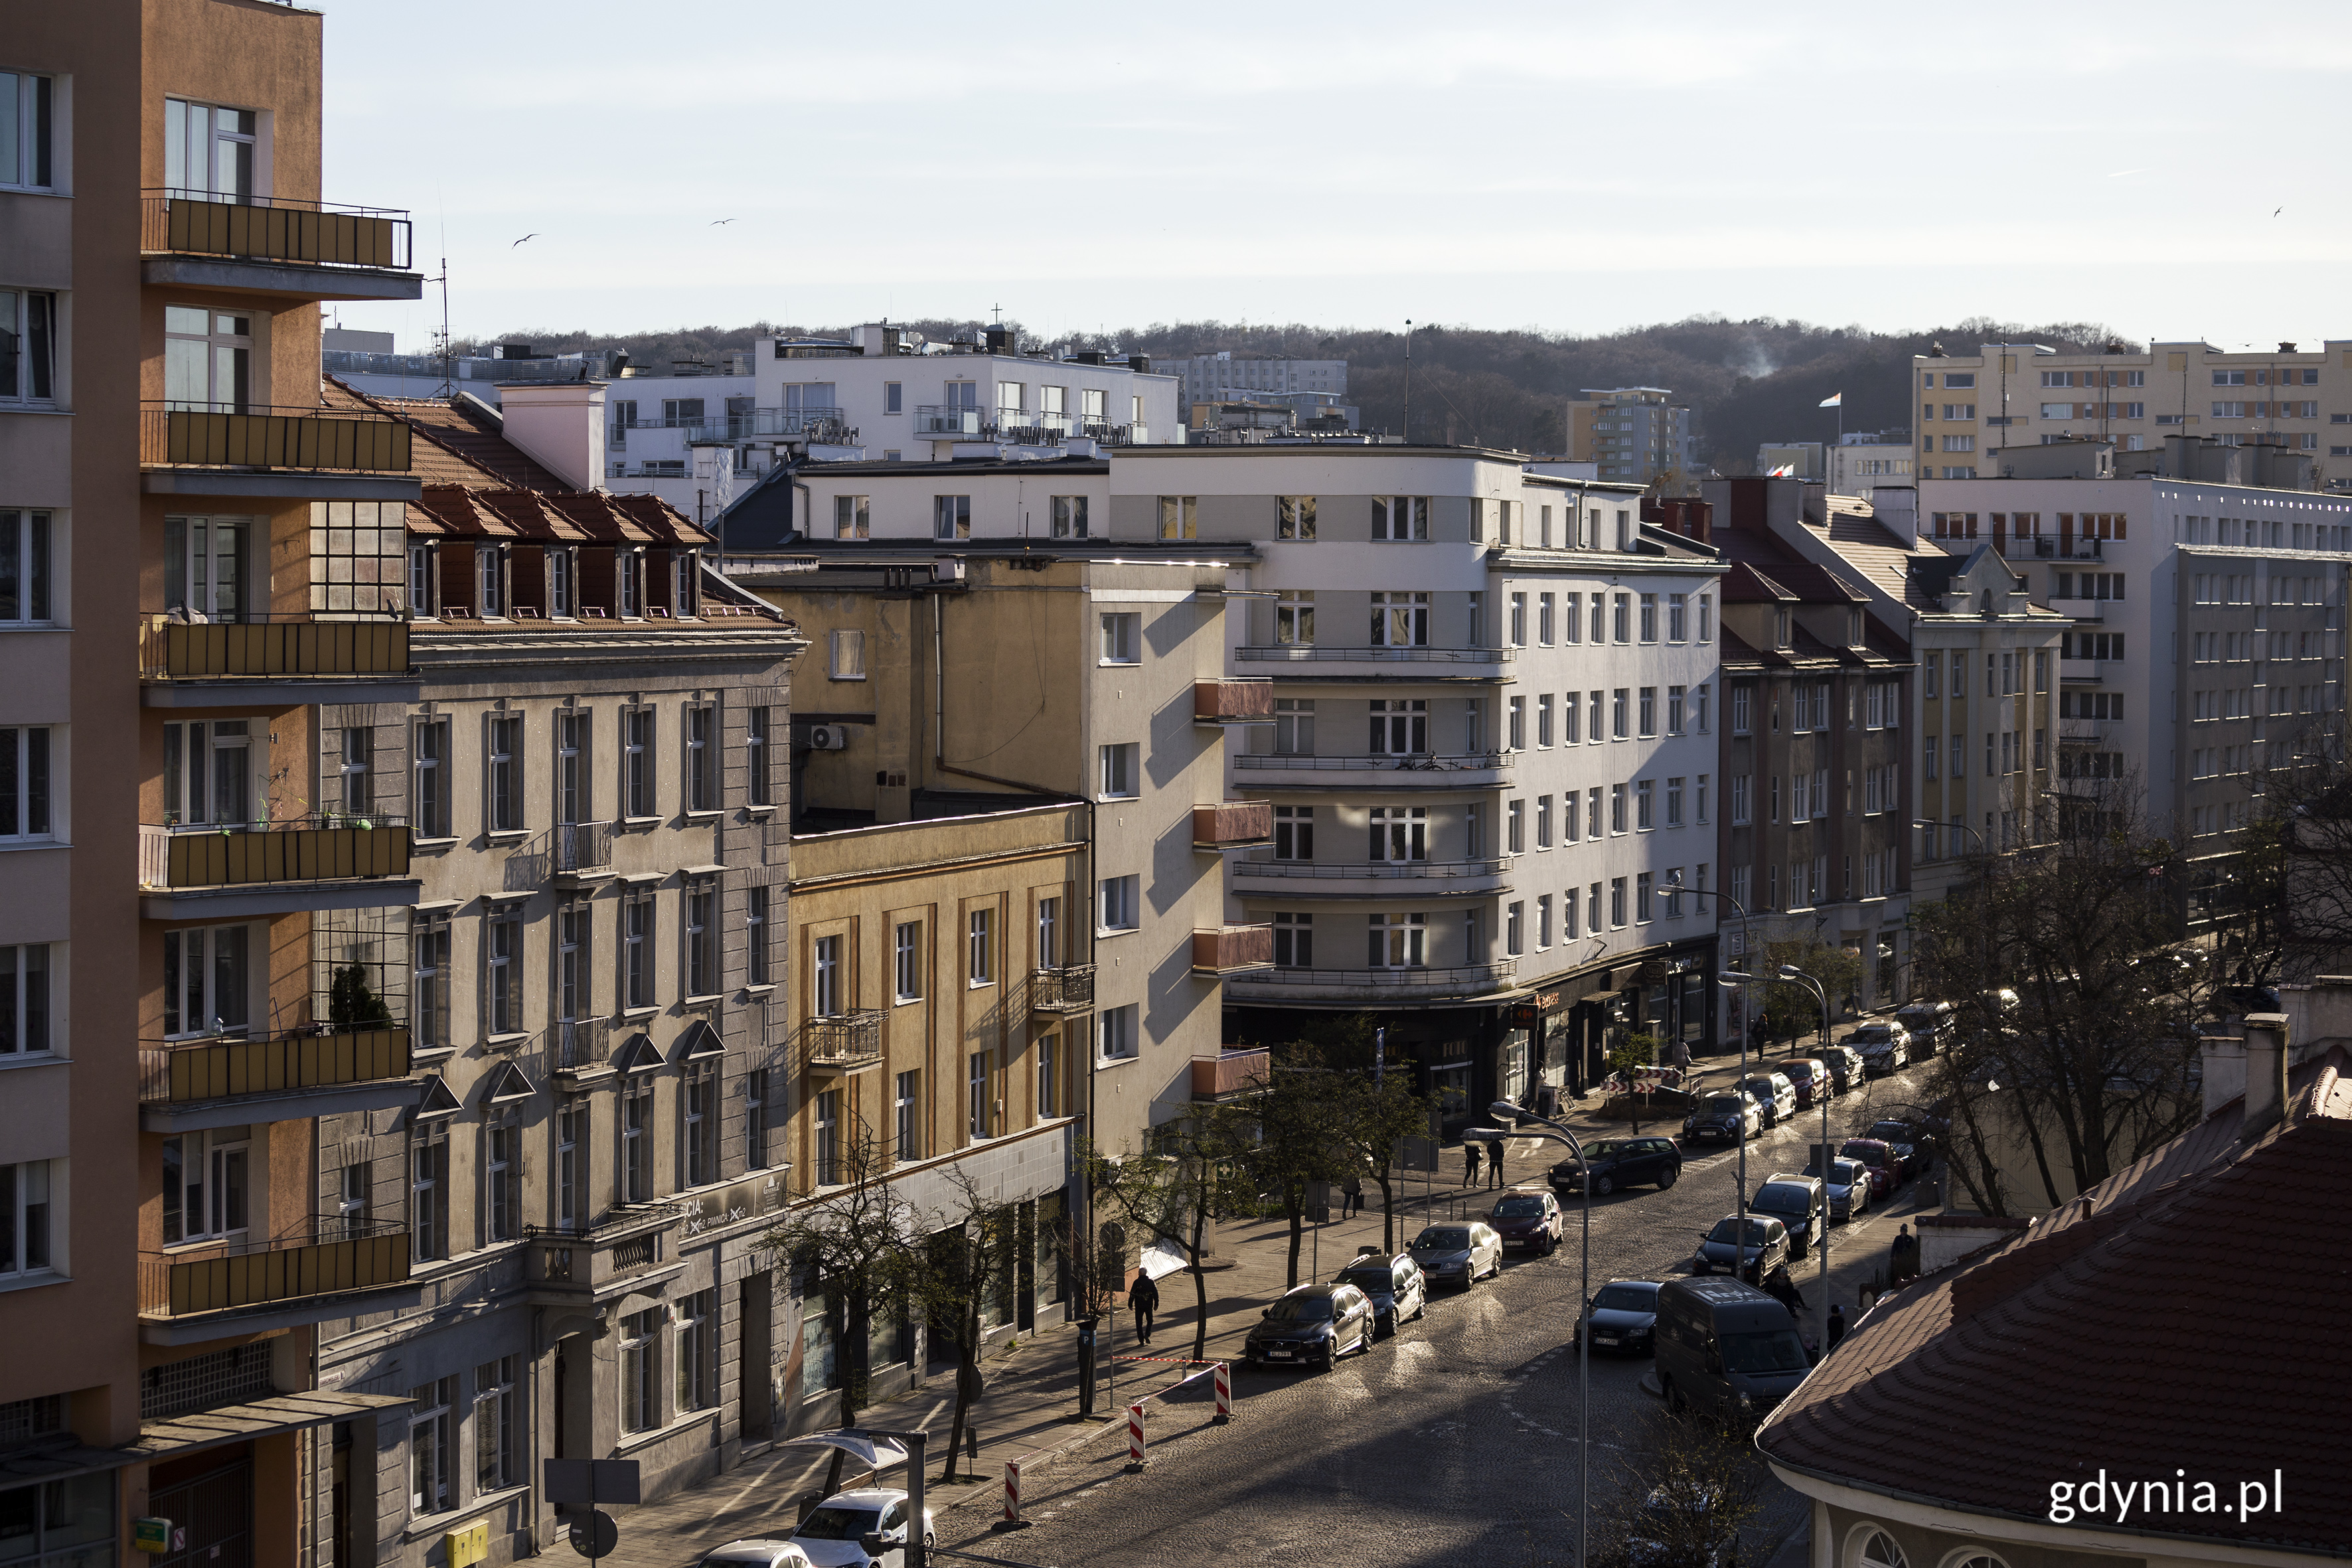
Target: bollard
<point>1135,1436</point>
<point>1012,1491</point>
<point>1224,1392</point>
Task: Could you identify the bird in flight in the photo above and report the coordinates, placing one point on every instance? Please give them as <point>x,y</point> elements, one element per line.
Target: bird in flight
<point>531,235</point>
<point>717,221</point>
<point>2275,211</point>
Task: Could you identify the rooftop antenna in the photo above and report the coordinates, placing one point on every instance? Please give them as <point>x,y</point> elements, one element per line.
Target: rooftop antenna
<point>448,387</point>
<point>1408,378</point>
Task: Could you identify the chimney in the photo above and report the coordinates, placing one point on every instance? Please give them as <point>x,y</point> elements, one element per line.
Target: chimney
<point>2265,1074</point>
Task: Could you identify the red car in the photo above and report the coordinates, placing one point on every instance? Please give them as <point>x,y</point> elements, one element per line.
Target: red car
<point>1880,1157</point>
<point>1810,1077</point>
<point>1529,1217</point>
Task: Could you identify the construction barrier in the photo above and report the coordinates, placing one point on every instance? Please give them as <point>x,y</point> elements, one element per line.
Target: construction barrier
<point>1012,1491</point>
<point>1135,1436</point>
<point>1224,1392</point>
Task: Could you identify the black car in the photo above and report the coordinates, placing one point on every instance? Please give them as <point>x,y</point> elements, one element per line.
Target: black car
<point>1622,1316</point>
<point>1720,1119</point>
<point>1392,1281</point>
<point>1313,1325</point>
<point>1766,1248</point>
<point>1621,1162</point>
<point>1800,1202</point>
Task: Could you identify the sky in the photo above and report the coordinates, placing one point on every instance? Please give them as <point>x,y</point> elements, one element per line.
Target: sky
<point>2159,167</point>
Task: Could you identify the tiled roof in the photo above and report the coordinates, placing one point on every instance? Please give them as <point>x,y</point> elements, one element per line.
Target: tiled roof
<point>2180,1315</point>
<point>451,448</point>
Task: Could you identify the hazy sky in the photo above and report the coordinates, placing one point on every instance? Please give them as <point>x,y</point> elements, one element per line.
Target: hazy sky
<point>1571,167</point>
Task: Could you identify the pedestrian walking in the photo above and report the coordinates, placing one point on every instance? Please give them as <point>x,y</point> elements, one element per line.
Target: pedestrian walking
<point>1837,1325</point>
<point>1469,1164</point>
<point>1143,1300</point>
<point>1494,1164</point>
<point>1784,1289</point>
<point>1351,1197</point>
<point>1903,1259</point>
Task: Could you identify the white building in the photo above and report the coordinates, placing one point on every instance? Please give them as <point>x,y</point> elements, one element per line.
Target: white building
<point>1305,385</point>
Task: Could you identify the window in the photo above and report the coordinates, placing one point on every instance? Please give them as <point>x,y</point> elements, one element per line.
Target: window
<point>1122,637</point>
<point>701,940</point>
<point>698,1104</point>
<point>1515,919</point>
<point>629,583</point>
<point>1741,804</point>
<point>1048,1077</point>
<point>826,998</point>
<point>909,1102</point>
<point>1645,799</point>
<point>1069,517</point>
<point>25,541</point>
<point>1294,832</point>
<point>1515,729</point>
<point>428,982</point>
<point>1399,726</point>
<point>1119,771</point>
<point>1620,617</point>
<point>757,785</point>
<point>27,106</point>
<point>702,767</point>
<point>428,1188</point>
<point>1543,822</point>
<point>1620,719</point>
<point>1179,517</point>
<point>1402,620</point>
<point>853,517</point>
<point>641,1369</point>
<point>502,970</point>
<point>1649,617</point>
<point>1616,902</point>
<point>907,960</point>
<point>1572,712</point>
<point>204,980</point>
<point>1600,618</point>
<point>501,1176</point>
<point>1119,1031</point>
<point>1742,698</point>
<point>826,1128</point>
<point>847,656</point>
<point>429,1482</point>
<point>1294,517</point>
<point>207,353</point>
<point>1398,832</point>
<point>1118,900</point>
<point>637,952</point>
<point>951,517</point>
<point>24,1214</point>
<point>24,996</point>
<point>636,1125</point>
<point>1398,942</point>
<point>1294,941</point>
<point>505,770</point>
<point>1543,719</point>
<point>980,948</point>
<point>1398,518</point>
<point>1707,618</point>
<point>1049,933</point>
<point>1294,619</point>
<point>1677,617</point>
<point>1514,817</point>
<point>976,1096</point>
<point>1649,710</point>
<point>1673,803</point>
<point>570,1164</point>
<point>25,781</point>
<point>496,1428</point>
<point>1544,613</point>
<point>1617,808</point>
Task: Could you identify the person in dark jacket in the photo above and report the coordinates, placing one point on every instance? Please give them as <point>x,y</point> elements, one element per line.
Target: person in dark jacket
<point>1470,1164</point>
<point>1783,1289</point>
<point>1903,1257</point>
<point>1142,1300</point>
<point>1837,1325</point>
<point>1351,1197</point>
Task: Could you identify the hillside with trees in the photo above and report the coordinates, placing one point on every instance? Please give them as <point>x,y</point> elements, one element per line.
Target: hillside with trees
<point>1750,382</point>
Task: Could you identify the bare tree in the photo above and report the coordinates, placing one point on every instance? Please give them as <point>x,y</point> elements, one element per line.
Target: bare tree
<point>967,1262</point>
<point>1195,1175</point>
<point>1377,1111</point>
<point>1686,1502</point>
<point>852,1251</point>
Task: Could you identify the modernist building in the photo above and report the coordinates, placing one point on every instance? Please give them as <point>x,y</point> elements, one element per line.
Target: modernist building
<point>1636,434</point>
<point>1854,465</point>
<point>1315,390</point>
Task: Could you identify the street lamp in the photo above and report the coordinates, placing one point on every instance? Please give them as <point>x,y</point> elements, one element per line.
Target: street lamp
<point>1792,976</point>
<point>1507,1110</point>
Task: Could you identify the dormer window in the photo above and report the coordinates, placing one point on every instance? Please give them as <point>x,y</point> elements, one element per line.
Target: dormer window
<point>629,581</point>
<point>1781,628</point>
<point>562,595</point>
<point>683,601</point>
<point>420,578</point>
<point>490,580</point>
<point>1853,628</point>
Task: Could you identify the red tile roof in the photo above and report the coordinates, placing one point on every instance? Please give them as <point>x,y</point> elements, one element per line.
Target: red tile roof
<point>2179,1316</point>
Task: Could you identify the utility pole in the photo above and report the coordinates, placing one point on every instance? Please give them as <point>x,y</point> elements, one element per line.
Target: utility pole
<point>1408,380</point>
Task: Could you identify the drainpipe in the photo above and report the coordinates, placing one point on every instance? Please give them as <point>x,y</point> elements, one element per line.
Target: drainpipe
<point>938,711</point>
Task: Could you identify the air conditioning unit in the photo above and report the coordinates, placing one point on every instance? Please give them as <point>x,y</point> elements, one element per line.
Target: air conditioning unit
<point>947,571</point>
<point>823,737</point>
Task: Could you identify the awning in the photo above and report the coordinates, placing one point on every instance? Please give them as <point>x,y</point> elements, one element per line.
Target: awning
<point>61,1462</point>
<point>260,1418</point>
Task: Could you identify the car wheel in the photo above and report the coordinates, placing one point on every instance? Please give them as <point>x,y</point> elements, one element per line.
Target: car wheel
<point>1666,1177</point>
<point>1604,1185</point>
<point>1550,1245</point>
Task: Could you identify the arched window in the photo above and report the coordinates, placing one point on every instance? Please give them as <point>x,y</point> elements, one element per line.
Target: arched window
<point>1880,1551</point>
<point>1976,1560</point>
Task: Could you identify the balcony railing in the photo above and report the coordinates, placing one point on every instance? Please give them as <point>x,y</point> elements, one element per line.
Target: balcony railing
<point>932,419</point>
<point>812,424</point>
<point>1441,870</point>
<point>1304,653</point>
<point>1233,949</point>
<point>180,1072</point>
<point>1068,989</point>
<point>1232,824</point>
<point>304,849</point>
<point>579,1044</point>
<point>579,848</point>
<point>1229,1076</point>
<point>945,423</point>
<point>843,1041</point>
<point>1416,761</point>
<point>257,437</point>
<point>273,228</point>
<point>2060,549</point>
<point>171,648</point>
<point>1233,701</point>
<point>324,1256</point>
<point>1458,979</point>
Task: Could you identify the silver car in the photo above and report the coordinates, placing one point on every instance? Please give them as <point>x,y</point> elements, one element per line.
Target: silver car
<point>1458,1252</point>
<point>1848,1181</point>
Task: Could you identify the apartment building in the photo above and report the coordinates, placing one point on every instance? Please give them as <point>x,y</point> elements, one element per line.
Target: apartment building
<point>168,1046</point>
<point>1815,756</point>
<point>1636,434</point>
<point>2205,586</point>
<point>985,644</point>
<point>1852,466</point>
<point>1490,757</point>
<point>1313,390</point>
<point>2024,395</point>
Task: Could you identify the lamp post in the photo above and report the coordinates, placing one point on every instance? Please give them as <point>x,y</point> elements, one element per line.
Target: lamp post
<point>1505,1108</point>
<point>1739,1086</point>
<point>1792,976</point>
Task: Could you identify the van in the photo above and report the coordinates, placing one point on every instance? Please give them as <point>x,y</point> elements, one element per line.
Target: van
<point>1932,1025</point>
<point>1725,1348</point>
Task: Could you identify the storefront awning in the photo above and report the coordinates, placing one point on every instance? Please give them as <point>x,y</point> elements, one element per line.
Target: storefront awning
<point>63,1461</point>
<point>260,1418</point>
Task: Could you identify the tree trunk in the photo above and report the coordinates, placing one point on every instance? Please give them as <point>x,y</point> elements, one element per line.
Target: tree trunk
<point>1388,1208</point>
<point>1200,1284</point>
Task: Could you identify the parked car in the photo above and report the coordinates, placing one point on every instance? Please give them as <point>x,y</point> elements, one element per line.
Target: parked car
<point>1313,1324</point>
<point>1723,1347</point>
<point>1810,1076</point>
<point>754,1554</point>
<point>1620,1163</point>
<point>1884,1047</point>
<point>1847,1183</point>
<point>1774,1094</point>
<point>1392,1283</point>
<point>1845,1067</point>
<point>834,1534</point>
<point>1459,1254</point>
<point>1621,1315</point>
<point>1529,1217</point>
<point>1723,1118</point>
<point>1801,1204</point>
<point>1879,1156</point>
<point>2161,973</point>
<point>1910,1158</point>
<point>1931,1023</point>
<point>1764,1248</point>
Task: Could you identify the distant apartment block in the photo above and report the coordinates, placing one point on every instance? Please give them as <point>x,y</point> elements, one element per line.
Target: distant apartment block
<point>1853,465</point>
<point>1224,377</point>
<point>1634,433</point>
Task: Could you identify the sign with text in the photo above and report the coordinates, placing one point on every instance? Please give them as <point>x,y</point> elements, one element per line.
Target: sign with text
<point>588,1482</point>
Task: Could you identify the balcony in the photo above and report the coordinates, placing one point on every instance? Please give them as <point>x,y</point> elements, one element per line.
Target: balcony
<point>633,1245</point>
<point>579,1048</point>
<point>326,1266</point>
<point>1233,949</point>
<point>820,425</point>
<point>1391,770</point>
<point>1219,702</point>
<point>1463,660</point>
<point>1235,1075</point>
<point>2045,549</point>
<point>947,423</point>
<point>1233,825</point>
<point>304,453</point>
<point>1068,989</point>
<point>579,850</point>
<point>1371,879</point>
<point>235,870</point>
<point>289,658</point>
<point>1374,987</point>
<point>186,1085</point>
<point>268,245</point>
<point>843,1043</point>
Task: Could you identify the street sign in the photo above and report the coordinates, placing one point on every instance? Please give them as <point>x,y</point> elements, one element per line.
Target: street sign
<point>150,1535</point>
<point>595,1535</point>
<point>587,1482</point>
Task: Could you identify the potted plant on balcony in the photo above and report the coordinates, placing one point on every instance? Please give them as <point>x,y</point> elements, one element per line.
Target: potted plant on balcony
<point>352,1004</point>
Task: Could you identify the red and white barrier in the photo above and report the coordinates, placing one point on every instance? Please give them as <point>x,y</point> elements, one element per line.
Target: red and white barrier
<point>1012,1491</point>
<point>1224,1392</point>
<point>1135,1435</point>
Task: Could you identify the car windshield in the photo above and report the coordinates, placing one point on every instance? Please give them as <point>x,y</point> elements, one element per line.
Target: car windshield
<point>1300,1310</point>
<point>1722,1104</point>
<point>1626,1299</point>
<point>1893,1131</point>
<point>1367,1278</point>
<point>1726,1229</point>
<point>1796,1072</point>
<point>1775,1350</point>
<point>832,1523</point>
<point>1600,1149</point>
<point>1871,1032</point>
<point>1857,1151</point>
<point>1519,1208</point>
<point>1782,1200</point>
<point>1442,1238</point>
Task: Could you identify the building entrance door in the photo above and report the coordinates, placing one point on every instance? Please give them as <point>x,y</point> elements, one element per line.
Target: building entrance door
<point>211,1512</point>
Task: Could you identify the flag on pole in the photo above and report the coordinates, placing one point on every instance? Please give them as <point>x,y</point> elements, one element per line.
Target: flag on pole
<point>1785,471</point>
<point>1834,400</point>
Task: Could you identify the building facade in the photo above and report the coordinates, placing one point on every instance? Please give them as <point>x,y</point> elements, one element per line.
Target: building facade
<point>1637,434</point>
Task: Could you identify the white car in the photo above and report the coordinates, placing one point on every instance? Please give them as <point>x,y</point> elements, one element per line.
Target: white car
<point>759,1553</point>
<point>832,1535</point>
<point>1458,1252</point>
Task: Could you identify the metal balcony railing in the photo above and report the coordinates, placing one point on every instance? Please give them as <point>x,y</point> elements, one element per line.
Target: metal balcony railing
<point>578,848</point>
<point>844,1040</point>
<point>2046,549</point>
<point>180,1072</point>
<point>301,849</point>
<point>323,1255</point>
<point>1283,870</point>
<point>171,647</point>
<point>1416,761</point>
<point>1069,988</point>
<point>1305,653</point>
<point>274,228</point>
<point>934,419</point>
<point>310,439</point>
<point>579,1044</point>
<point>814,423</point>
<point>1466,977</point>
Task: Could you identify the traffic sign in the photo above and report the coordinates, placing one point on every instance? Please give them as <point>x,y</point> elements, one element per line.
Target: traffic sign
<point>594,1534</point>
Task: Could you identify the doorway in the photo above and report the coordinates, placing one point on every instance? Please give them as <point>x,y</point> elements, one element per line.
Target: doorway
<point>209,1501</point>
<point>755,1308</point>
